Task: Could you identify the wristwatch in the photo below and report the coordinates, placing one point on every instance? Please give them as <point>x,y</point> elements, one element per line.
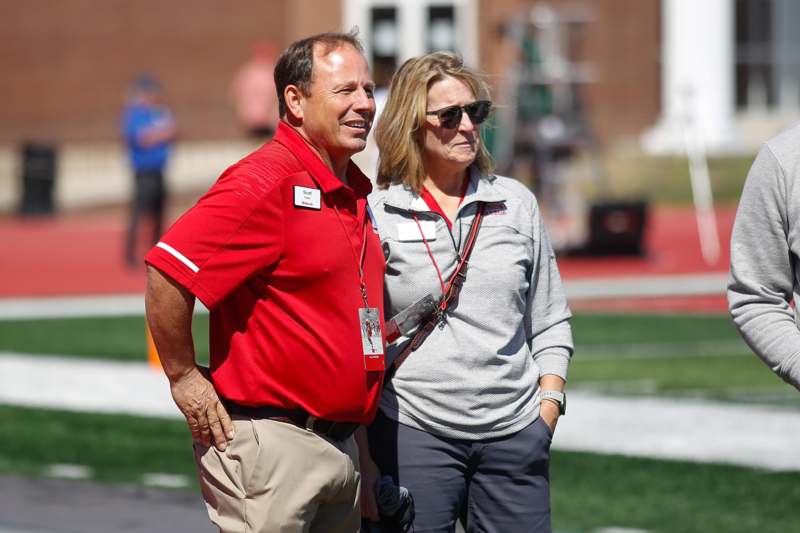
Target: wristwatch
<point>559,397</point>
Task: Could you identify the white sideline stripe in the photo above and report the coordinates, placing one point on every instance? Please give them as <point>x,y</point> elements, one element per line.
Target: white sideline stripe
<point>682,429</point>
<point>644,286</point>
<point>182,258</point>
<point>77,384</point>
<point>71,306</point>
<point>170,481</point>
<point>68,471</point>
<point>665,428</point>
<point>576,289</point>
<point>77,306</point>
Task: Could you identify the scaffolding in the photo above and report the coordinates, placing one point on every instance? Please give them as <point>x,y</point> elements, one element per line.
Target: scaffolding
<point>543,125</point>
<point>542,130</point>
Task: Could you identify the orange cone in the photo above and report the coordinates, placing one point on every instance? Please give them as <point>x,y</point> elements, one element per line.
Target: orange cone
<point>152,353</point>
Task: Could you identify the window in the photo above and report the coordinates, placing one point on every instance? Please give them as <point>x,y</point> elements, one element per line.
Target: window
<point>767,54</point>
<point>441,28</point>
<point>384,44</point>
<point>395,30</point>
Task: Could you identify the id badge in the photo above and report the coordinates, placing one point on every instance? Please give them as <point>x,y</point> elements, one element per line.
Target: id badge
<point>371,338</point>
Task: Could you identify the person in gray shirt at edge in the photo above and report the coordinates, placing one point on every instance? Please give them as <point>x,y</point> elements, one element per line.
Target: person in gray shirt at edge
<point>466,422</point>
<point>764,257</point>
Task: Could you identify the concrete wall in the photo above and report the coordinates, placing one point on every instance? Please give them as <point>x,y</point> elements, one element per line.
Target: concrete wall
<point>97,174</point>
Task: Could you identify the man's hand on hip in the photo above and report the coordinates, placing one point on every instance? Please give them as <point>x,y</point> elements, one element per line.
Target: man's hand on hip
<point>208,420</point>
<point>169,308</point>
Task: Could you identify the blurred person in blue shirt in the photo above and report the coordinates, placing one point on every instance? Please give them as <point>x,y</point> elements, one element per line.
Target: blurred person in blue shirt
<point>149,130</point>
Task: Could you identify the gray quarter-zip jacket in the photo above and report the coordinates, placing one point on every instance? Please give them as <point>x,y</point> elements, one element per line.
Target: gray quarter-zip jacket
<point>476,375</point>
<point>765,247</point>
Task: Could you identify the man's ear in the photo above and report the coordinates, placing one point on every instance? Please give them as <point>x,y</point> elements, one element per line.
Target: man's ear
<point>295,100</point>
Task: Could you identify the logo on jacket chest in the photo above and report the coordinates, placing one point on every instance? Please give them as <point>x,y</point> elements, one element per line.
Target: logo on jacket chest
<point>495,209</point>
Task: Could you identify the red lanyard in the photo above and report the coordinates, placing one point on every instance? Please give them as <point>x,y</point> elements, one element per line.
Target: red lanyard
<point>434,206</point>
<point>445,291</point>
<point>362,282</point>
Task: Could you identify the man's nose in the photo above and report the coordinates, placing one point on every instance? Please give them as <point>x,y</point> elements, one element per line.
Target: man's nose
<point>364,100</point>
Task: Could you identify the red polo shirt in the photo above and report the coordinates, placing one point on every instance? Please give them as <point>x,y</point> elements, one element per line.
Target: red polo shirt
<point>271,250</point>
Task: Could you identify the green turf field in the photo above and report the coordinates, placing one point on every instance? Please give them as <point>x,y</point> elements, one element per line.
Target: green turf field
<point>634,354</point>
<point>661,355</point>
<point>589,491</point>
<point>677,355</point>
<point>120,338</point>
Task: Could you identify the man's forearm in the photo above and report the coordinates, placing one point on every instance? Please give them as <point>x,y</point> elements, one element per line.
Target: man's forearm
<point>157,135</point>
<point>169,315</point>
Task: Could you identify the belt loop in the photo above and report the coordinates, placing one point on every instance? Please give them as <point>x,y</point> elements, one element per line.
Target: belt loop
<point>310,422</point>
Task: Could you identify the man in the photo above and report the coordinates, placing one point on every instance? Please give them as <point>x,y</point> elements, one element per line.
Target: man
<point>149,130</point>
<point>764,257</point>
<point>253,92</point>
<point>282,251</point>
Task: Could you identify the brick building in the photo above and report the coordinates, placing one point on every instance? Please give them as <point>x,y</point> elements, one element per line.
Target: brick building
<point>65,66</point>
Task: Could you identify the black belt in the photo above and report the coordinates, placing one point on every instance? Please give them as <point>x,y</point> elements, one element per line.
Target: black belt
<point>298,417</point>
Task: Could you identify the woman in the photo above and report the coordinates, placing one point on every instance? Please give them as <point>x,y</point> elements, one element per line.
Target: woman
<point>462,422</point>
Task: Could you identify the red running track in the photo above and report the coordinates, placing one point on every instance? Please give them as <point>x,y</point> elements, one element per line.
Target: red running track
<point>673,248</point>
<point>672,245</point>
<point>65,256</point>
<point>81,254</point>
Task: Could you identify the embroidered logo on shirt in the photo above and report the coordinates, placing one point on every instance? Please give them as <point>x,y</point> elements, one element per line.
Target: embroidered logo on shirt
<point>307,198</point>
<point>495,209</point>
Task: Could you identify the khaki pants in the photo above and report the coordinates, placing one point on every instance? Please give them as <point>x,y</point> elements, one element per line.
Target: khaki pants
<point>275,476</point>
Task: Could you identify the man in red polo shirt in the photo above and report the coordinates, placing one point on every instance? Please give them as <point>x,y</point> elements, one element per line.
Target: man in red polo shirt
<point>282,250</point>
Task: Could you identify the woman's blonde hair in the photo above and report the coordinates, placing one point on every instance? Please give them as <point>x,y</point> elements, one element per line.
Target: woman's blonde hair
<point>399,134</point>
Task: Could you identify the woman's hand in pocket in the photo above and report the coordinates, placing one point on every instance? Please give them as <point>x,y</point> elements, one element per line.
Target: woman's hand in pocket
<point>550,411</point>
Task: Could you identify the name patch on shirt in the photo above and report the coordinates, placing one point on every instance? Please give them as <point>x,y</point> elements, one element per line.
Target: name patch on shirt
<point>409,231</point>
<point>307,198</point>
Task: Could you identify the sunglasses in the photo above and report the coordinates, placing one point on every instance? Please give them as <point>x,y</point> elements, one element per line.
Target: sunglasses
<point>450,117</point>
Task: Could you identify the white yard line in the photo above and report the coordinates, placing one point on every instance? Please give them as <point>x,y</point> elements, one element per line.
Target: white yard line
<point>716,432</point>
<point>79,384</point>
<point>72,306</point>
<point>577,289</point>
<point>646,286</point>
<point>76,306</point>
<point>687,429</point>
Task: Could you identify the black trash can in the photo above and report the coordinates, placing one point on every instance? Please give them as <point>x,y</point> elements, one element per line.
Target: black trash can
<point>617,228</point>
<point>38,178</point>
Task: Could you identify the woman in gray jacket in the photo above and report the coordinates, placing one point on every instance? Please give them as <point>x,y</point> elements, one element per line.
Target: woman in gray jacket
<point>466,420</point>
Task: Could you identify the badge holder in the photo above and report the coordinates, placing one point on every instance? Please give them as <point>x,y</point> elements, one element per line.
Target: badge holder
<point>371,339</point>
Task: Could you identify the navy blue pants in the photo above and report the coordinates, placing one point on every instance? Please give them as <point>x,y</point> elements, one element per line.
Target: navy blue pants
<point>492,485</point>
